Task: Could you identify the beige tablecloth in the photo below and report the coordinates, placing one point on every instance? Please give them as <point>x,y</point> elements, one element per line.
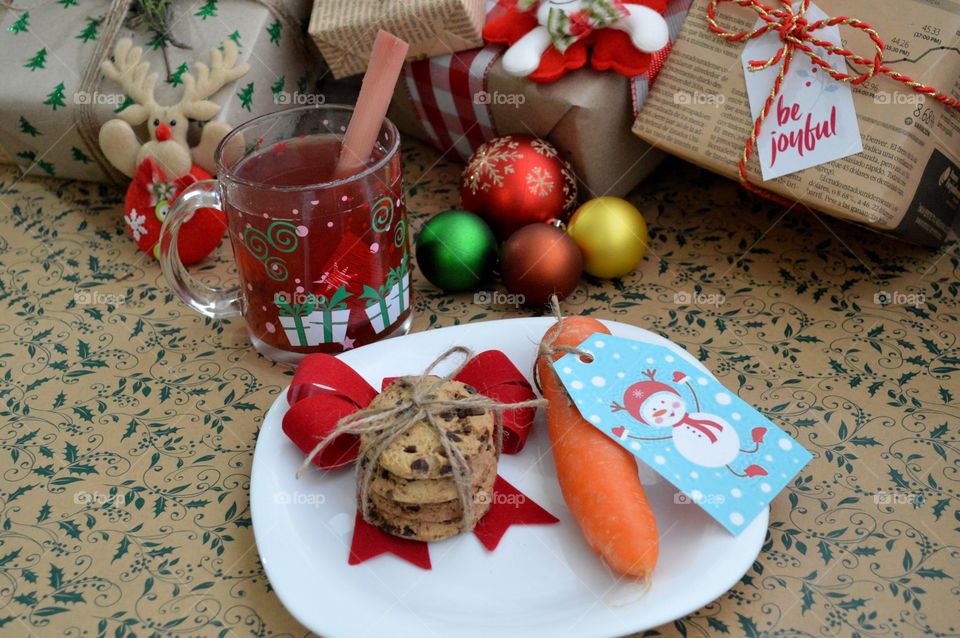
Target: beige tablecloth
<point>129,422</point>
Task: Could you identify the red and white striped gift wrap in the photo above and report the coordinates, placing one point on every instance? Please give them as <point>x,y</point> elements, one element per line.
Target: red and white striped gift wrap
<point>448,92</point>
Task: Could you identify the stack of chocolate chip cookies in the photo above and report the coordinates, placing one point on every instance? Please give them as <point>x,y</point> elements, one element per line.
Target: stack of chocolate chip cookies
<point>412,492</point>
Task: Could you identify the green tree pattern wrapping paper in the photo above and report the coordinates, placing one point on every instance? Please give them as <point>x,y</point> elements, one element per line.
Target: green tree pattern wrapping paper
<point>45,51</point>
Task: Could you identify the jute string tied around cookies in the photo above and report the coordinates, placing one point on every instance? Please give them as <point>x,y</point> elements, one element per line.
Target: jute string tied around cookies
<point>386,424</point>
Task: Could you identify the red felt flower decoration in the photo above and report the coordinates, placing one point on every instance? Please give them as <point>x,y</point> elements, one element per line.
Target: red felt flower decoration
<point>605,49</point>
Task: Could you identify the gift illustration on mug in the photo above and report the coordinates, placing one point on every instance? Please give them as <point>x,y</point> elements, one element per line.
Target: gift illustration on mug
<point>386,303</point>
<point>317,320</point>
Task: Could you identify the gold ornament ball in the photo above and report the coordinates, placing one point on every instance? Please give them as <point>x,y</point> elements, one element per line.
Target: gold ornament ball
<point>611,234</point>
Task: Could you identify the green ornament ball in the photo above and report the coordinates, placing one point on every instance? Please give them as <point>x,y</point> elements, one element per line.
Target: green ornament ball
<point>456,251</point>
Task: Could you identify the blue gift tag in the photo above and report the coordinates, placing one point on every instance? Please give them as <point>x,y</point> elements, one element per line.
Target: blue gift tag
<point>720,452</point>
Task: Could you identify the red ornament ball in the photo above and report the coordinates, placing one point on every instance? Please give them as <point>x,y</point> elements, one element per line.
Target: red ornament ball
<point>516,180</point>
<point>538,261</point>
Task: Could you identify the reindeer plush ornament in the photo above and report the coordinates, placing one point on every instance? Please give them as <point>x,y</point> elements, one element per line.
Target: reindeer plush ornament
<point>163,166</point>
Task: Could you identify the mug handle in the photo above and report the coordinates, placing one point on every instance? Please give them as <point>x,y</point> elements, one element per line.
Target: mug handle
<point>216,303</point>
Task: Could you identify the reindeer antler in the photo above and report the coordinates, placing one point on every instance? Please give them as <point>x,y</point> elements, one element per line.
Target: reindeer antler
<point>650,374</point>
<point>209,80</point>
<point>134,77</point>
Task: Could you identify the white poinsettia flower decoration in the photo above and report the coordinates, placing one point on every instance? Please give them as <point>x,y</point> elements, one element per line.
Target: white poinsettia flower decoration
<point>161,190</point>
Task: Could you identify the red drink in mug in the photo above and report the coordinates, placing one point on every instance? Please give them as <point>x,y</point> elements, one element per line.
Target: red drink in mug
<point>323,264</point>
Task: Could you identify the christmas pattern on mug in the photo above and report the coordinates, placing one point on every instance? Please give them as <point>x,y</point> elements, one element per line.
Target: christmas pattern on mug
<point>355,282</point>
<point>663,406</point>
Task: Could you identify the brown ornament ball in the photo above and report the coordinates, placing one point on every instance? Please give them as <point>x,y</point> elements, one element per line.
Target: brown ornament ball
<point>540,260</point>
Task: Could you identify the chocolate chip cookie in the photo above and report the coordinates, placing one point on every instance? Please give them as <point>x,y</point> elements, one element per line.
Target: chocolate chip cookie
<point>419,453</point>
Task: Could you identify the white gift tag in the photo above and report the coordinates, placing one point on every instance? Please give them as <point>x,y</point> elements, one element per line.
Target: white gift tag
<point>813,120</point>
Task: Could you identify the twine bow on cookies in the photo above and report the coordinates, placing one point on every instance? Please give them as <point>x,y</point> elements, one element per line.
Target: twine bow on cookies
<point>796,33</point>
<point>386,424</point>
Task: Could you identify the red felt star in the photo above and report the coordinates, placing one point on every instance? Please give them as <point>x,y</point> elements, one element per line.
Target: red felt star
<point>369,542</point>
<point>510,507</point>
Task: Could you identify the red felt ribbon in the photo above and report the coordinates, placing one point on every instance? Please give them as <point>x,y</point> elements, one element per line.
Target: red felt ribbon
<point>796,34</point>
<point>325,389</point>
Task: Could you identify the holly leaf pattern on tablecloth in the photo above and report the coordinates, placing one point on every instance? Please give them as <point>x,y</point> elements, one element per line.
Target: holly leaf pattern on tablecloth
<point>130,421</point>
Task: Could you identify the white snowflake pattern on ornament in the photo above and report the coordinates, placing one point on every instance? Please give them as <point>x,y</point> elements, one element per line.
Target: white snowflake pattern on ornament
<point>544,148</point>
<point>491,163</point>
<point>160,190</point>
<point>137,224</point>
<point>569,187</point>
<point>539,182</point>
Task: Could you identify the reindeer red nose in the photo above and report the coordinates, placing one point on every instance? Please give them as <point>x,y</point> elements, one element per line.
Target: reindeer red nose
<point>162,132</point>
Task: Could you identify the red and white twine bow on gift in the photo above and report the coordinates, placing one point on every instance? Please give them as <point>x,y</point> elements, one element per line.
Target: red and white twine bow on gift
<point>324,390</point>
<point>796,33</point>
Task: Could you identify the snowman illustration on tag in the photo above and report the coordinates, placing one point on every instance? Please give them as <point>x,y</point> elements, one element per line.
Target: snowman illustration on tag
<point>700,437</point>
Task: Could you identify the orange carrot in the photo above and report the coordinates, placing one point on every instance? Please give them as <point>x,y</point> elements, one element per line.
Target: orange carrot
<point>598,478</point>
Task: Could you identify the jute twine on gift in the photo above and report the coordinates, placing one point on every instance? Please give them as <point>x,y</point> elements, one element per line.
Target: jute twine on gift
<point>84,117</point>
<point>422,405</point>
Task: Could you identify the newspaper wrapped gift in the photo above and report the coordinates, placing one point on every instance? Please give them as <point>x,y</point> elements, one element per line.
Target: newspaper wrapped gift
<point>49,125</point>
<point>458,102</point>
<point>907,179</point>
<point>344,31</point>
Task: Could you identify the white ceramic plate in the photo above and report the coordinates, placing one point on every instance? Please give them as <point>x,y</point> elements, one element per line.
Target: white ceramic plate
<point>541,580</point>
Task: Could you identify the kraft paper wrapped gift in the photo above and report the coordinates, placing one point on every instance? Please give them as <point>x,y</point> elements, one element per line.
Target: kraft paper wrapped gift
<point>905,182</point>
<point>49,127</point>
<point>457,102</point>
<point>344,31</point>
<point>586,114</point>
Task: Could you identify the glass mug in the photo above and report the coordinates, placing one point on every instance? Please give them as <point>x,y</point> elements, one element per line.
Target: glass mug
<point>323,264</point>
